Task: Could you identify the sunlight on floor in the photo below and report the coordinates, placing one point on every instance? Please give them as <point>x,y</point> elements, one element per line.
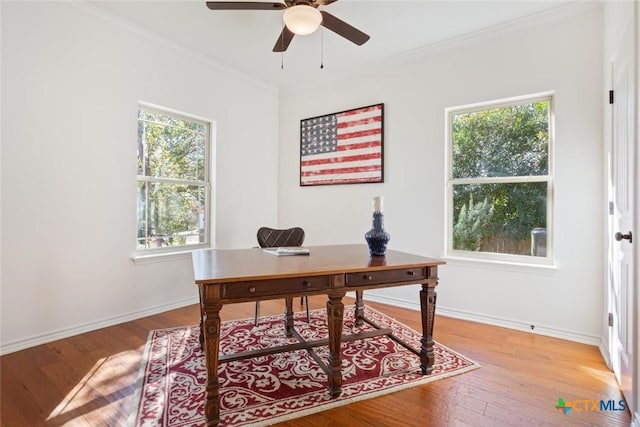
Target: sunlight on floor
<point>102,388</point>
<point>603,375</point>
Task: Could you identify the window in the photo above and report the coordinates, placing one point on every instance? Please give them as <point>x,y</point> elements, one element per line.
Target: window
<point>173,181</point>
<point>499,186</point>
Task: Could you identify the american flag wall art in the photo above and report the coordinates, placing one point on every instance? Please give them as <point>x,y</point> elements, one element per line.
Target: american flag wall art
<point>342,148</point>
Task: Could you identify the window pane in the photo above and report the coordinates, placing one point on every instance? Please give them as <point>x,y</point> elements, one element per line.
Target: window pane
<point>170,215</point>
<point>505,141</point>
<point>170,147</point>
<point>501,218</point>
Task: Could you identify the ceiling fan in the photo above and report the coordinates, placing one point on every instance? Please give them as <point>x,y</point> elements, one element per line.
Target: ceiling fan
<point>300,17</point>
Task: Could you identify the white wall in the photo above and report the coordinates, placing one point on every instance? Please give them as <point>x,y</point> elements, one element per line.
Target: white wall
<point>71,80</point>
<point>560,52</point>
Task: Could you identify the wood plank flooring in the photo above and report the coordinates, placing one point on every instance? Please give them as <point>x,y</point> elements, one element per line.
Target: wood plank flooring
<point>89,379</point>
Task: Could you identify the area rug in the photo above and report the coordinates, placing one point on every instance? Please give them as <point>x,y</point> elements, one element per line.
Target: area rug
<point>269,389</point>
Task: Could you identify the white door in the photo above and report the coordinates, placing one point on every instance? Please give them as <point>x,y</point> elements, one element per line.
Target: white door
<point>621,192</point>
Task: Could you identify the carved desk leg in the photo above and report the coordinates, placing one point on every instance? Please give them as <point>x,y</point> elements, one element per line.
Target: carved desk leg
<point>288,316</point>
<point>428,311</point>
<point>212,349</point>
<point>335,312</point>
<point>200,295</point>
<point>359,308</point>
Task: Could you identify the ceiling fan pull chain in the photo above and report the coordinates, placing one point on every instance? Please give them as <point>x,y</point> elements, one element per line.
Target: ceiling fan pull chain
<point>321,48</point>
<point>282,51</point>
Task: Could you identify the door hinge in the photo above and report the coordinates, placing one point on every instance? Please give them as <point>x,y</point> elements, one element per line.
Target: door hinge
<point>610,208</point>
<point>610,97</point>
<point>610,320</point>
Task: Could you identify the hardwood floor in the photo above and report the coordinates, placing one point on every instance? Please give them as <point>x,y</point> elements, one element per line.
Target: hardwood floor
<point>90,379</point>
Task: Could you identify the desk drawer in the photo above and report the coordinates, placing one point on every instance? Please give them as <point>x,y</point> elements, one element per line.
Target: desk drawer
<point>275,287</point>
<point>389,276</point>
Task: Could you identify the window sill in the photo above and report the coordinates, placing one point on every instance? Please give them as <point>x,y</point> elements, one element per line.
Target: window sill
<point>161,257</point>
<point>543,269</point>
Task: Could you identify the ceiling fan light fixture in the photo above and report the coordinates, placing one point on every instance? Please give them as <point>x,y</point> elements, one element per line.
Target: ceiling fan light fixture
<point>302,19</point>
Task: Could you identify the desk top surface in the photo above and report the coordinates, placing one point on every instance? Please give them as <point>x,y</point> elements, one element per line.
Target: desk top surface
<point>234,265</point>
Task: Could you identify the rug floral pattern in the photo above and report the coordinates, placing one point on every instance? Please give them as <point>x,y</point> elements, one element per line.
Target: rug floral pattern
<point>268,389</point>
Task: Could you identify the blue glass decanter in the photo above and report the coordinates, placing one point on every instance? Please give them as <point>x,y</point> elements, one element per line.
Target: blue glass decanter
<point>377,238</point>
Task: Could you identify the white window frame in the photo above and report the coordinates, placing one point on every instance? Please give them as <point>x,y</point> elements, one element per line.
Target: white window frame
<point>491,257</point>
<point>148,254</point>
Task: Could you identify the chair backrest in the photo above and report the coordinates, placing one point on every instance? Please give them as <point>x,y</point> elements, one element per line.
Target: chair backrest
<point>274,238</point>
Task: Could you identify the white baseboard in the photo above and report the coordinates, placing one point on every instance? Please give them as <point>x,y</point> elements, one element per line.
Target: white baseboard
<point>44,338</point>
<point>21,344</point>
<point>604,352</point>
<point>491,320</point>
<point>396,302</point>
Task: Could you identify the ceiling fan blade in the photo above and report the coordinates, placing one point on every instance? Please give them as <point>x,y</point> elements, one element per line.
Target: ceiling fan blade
<point>244,5</point>
<point>283,41</point>
<point>343,29</point>
<point>323,2</point>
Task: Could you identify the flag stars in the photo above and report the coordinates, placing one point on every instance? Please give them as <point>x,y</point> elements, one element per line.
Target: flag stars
<point>318,135</point>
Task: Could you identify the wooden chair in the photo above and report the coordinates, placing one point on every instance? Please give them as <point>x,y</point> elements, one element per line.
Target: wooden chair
<point>276,238</point>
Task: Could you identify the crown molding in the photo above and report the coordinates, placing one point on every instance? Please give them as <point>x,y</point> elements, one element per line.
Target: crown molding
<point>417,55</point>
<point>150,35</point>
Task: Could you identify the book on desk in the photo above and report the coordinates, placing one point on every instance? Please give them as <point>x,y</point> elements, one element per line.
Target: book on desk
<point>287,251</point>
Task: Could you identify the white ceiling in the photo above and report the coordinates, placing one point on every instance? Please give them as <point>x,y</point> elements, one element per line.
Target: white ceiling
<point>243,40</point>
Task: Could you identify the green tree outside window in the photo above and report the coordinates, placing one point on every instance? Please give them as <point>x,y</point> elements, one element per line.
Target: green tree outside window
<point>172,180</point>
<point>500,158</point>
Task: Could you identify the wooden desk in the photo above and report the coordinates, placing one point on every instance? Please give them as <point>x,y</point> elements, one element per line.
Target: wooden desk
<point>231,276</point>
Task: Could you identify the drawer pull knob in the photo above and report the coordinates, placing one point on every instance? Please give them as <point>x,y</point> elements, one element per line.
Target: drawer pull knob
<point>411,273</point>
<point>306,283</point>
<point>366,277</point>
<point>252,289</point>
